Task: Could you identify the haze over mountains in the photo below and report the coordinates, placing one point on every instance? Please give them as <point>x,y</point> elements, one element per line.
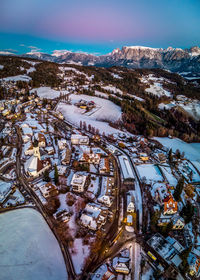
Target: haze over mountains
<point>173,59</point>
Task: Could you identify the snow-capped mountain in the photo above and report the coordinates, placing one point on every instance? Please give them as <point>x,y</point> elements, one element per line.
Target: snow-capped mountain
<point>172,59</point>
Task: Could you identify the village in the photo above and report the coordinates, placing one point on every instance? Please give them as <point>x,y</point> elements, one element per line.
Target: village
<point>123,205</point>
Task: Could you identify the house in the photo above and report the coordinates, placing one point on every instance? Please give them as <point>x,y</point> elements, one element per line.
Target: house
<point>170,206</point>
<point>66,156</point>
<point>130,202</point>
<point>143,156</point>
<point>78,139</point>
<point>178,222</point>
<point>28,149</point>
<point>41,139</point>
<point>121,268</point>
<point>90,158</point>
<point>78,182</point>
<point>104,166</point>
<point>5,190</point>
<point>93,216</point>
<point>105,196</point>
<point>62,144</point>
<point>34,166</point>
<point>50,150</point>
<point>62,216</point>
<point>194,265</point>
<point>48,190</point>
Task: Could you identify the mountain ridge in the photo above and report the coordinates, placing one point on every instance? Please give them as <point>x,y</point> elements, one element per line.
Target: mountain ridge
<point>172,59</point>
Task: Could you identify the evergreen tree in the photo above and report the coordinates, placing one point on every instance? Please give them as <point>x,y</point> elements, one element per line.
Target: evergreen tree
<point>187,212</point>
<point>179,188</point>
<point>56,174</point>
<point>170,156</point>
<point>46,176</point>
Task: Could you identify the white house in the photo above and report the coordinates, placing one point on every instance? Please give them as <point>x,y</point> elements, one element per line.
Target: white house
<point>48,190</point>
<point>122,268</point>
<point>77,139</point>
<point>94,216</point>
<point>78,182</point>
<point>130,202</point>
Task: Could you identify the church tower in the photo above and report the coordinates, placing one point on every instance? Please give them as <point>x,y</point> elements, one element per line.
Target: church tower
<point>36,150</point>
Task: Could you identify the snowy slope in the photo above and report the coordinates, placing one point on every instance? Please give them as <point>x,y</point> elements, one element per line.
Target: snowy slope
<point>105,111</point>
<point>192,151</point>
<point>47,92</point>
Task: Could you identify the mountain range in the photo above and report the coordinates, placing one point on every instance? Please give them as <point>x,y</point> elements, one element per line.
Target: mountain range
<point>186,61</point>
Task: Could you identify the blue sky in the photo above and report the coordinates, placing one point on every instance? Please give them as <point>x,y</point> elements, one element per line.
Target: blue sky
<point>97,26</point>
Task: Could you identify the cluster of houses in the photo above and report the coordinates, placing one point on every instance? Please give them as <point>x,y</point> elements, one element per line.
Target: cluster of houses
<point>95,215</point>
<point>170,250</point>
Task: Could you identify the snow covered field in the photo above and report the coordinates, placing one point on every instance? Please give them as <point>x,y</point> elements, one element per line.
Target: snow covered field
<point>192,151</point>
<point>99,117</point>
<point>17,78</point>
<point>47,92</point>
<point>156,87</point>
<point>28,248</point>
<point>158,90</point>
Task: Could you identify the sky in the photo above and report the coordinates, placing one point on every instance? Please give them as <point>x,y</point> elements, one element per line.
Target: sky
<point>97,26</point>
